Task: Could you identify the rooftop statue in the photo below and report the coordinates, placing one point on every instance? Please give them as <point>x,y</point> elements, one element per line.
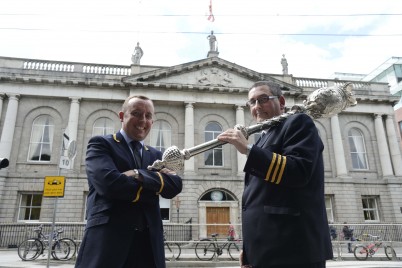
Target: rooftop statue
<point>212,42</point>
<point>137,55</point>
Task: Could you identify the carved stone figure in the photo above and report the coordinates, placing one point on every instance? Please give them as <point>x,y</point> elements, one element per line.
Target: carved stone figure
<point>137,55</point>
<point>212,42</point>
<point>284,63</point>
<point>214,77</point>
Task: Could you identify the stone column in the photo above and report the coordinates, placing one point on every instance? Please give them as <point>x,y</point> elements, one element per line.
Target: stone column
<point>189,135</point>
<point>383,151</point>
<point>1,103</point>
<point>7,134</point>
<point>241,158</point>
<point>72,127</point>
<point>393,145</point>
<point>73,118</point>
<point>340,162</point>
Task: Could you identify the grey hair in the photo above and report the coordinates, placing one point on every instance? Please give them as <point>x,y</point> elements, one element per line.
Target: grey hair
<point>274,87</point>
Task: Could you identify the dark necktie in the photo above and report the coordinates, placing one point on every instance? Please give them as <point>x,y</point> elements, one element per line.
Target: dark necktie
<point>262,135</point>
<point>136,147</point>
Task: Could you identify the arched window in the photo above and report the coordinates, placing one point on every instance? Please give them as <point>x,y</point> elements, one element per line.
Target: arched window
<point>161,135</point>
<point>357,149</point>
<point>217,195</point>
<point>103,126</point>
<point>213,157</point>
<point>40,145</point>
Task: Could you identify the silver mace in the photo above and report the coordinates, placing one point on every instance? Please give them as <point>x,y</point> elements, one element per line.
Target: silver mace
<point>323,102</point>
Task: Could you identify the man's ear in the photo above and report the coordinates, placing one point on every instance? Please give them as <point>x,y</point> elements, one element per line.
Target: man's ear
<point>121,116</point>
<point>282,102</point>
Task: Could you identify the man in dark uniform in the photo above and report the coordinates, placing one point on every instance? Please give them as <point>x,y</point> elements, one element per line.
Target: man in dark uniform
<point>124,227</point>
<point>284,216</point>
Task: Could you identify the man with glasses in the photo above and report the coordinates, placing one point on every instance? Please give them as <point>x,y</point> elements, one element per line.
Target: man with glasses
<point>124,226</point>
<point>284,217</point>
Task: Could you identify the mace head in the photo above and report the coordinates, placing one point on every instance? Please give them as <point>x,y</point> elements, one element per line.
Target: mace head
<point>328,101</point>
<point>172,159</point>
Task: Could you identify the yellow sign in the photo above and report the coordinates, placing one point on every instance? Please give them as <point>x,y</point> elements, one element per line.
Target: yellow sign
<point>54,186</point>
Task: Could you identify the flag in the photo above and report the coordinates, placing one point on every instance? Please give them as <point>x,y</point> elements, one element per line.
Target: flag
<point>211,16</point>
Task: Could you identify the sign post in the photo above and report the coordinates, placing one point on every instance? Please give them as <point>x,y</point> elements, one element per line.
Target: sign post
<point>53,187</point>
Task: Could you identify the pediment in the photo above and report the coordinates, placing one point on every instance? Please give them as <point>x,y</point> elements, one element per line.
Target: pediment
<point>210,72</point>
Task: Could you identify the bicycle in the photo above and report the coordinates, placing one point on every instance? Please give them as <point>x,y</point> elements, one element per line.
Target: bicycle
<point>32,248</point>
<point>207,251</point>
<point>363,251</point>
<point>172,250</point>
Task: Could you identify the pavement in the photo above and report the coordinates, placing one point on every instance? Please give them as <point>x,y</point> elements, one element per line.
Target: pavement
<point>9,259</point>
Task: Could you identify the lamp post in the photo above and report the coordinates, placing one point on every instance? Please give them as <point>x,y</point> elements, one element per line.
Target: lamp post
<point>177,203</point>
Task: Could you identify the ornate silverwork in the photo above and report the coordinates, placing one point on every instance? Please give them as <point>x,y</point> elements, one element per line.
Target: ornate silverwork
<point>323,102</point>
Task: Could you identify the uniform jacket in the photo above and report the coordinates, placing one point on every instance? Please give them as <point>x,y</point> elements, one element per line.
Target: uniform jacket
<point>114,199</point>
<point>284,215</point>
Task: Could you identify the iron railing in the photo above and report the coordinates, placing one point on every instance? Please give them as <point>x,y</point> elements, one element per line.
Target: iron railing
<point>12,234</point>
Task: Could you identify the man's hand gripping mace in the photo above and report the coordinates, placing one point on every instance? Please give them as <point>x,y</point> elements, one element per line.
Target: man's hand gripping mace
<point>323,102</point>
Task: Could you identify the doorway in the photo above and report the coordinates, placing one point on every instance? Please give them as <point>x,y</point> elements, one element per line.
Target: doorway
<point>218,215</point>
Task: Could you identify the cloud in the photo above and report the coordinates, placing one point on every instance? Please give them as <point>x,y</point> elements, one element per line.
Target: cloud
<point>253,33</point>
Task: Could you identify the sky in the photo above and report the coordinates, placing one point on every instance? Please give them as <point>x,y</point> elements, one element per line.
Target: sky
<point>318,38</point>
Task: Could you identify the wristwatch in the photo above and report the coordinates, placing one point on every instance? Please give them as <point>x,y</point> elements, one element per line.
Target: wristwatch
<point>249,146</point>
<point>136,174</point>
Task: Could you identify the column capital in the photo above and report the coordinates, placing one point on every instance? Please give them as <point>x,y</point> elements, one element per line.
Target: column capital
<point>75,99</point>
<point>389,116</point>
<point>377,115</point>
<point>14,96</point>
<point>189,104</point>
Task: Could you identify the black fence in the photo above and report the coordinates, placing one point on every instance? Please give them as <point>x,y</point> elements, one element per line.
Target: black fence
<point>387,232</point>
<point>12,234</point>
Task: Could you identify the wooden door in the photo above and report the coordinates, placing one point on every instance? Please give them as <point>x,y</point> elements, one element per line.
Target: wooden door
<point>219,215</point>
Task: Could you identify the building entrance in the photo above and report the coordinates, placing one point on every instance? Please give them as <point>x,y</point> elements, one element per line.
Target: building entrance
<point>218,215</point>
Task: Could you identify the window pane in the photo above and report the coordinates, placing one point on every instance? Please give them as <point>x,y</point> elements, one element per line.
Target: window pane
<point>370,209</point>
<point>213,157</point>
<point>30,207</point>
<point>103,126</point>
<point>209,159</point>
<point>35,213</point>
<point>165,214</point>
<point>329,208</point>
<point>218,157</point>
<point>357,149</point>
<point>161,135</point>
<point>213,127</point>
<point>40,146</point>
<point>164,204</point>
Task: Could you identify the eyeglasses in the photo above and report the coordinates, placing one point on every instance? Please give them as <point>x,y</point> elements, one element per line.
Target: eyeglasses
<point>261,100</point>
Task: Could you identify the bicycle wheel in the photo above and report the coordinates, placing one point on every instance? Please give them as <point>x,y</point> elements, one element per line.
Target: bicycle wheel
<point>172,251</point>
<point>73,247</point>
<point>30,249</point>
<point>389,251</point>
<point>361,252</point>
<point>234,251</point>
<point>205,251</point>
<point>63,249</point>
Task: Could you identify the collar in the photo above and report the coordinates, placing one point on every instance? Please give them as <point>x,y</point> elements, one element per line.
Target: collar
<point>128,139</point>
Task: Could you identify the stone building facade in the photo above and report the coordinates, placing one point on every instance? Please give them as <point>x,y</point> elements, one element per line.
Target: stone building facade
<point>45,105</point>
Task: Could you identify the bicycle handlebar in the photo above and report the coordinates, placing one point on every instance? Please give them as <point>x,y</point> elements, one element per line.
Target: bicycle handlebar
<point>377,237</point>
